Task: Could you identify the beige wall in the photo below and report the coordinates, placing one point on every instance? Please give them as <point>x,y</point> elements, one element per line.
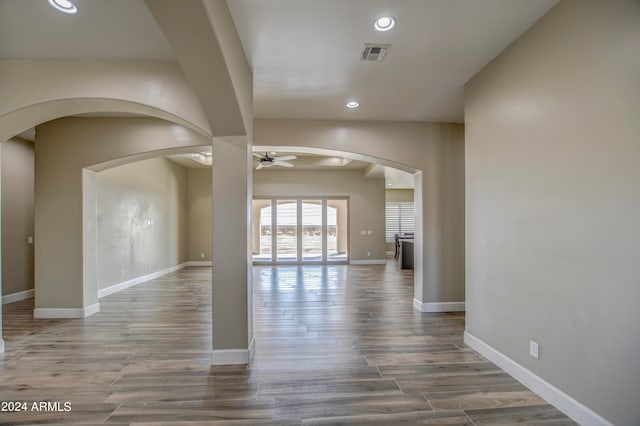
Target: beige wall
<point>17,215</point>
<point>553,201</point>
<point>199,213</point>
<point>142,219</point>
<point>366,201</point>
<point>398,195</point>
<point>63,148</point>
<point>36,91</point>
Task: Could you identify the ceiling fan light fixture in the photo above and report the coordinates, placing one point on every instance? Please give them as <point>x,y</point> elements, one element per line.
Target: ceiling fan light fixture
<point>64,6</point>
<point>384,23</point>
<point>352,104</point>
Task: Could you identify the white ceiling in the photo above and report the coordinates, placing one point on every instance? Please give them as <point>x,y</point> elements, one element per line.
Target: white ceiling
<point>122,29</point>
<point>305,54</point>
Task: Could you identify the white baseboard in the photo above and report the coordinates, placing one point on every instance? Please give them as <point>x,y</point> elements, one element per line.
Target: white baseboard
<point>575,410</point>
<point>16,297</point>
<point>58,313</point>
<point>369,262</point>
<point>252,349</point>
<point>438,306</point>
<point>230,356</point>
<point>1,346</point>
<point>199,263</point>
<point>139,280</point>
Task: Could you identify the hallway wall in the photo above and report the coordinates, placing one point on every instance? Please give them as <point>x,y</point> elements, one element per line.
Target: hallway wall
<point>142,219</point>
<point>553,201</point>
<point>17,215</point>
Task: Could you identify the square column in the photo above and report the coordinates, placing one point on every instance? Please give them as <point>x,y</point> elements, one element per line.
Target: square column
<point>231,265</point>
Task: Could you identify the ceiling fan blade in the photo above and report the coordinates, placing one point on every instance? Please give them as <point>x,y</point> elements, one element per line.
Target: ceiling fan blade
<point>260,166</point>
<point>255,154</point>
<point>285,158</point>
<point>282,163</point>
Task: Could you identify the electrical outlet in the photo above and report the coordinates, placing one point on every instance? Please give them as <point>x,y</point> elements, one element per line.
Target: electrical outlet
<point>122,273</point>
<point>369,232</point>
<point>368,253</point>
<point>29,239</point>
<point>148,267</point>
<point>534,349</point>
<point>202,255</point>
<point>363,232</point>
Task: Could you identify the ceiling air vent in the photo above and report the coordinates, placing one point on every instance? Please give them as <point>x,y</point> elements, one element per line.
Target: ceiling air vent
<point>375,52</point>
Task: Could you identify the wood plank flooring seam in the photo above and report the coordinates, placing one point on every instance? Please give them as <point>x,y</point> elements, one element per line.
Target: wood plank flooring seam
<point>341,341</point>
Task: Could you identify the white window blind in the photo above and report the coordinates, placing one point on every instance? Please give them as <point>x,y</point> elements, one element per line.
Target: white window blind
<point>400,218</point>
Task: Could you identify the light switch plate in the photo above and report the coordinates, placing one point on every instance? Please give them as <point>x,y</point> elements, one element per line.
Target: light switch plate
<point>534,349</point>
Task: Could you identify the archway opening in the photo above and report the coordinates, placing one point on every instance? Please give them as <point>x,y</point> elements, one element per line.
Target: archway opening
<point>366,243</point>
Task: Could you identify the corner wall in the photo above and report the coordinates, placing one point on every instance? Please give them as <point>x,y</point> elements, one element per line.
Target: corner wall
<point>17,216</point>
<point>553,201</point>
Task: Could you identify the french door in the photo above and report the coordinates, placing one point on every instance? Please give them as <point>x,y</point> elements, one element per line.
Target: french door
<point>300,230</point>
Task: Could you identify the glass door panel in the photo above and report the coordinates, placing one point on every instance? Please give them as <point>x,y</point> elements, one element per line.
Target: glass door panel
<point>297,230</point>
<point>337,230</point>
<point>312,230</point>
<point>287,230</point>
<point>262,231</point>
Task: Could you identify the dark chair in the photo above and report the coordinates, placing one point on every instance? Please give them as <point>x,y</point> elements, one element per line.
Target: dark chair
<point>397,240</point>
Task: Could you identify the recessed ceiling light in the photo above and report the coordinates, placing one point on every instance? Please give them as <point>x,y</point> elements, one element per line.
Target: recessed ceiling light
<point>64,6</point>
<point>384,23</point>
<point>353,104</point>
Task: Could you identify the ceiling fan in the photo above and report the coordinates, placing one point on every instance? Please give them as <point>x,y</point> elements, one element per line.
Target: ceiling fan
<point>267,161</point>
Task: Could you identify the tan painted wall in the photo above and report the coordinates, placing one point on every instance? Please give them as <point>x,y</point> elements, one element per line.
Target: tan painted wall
<point>398,195</point>
<point>553,201</point>
<point>63,147</point>
<point>366,201</point>
<point>437,149</point>
<point>142,219</point>
<point>199,213</point>
<point>17,216</point>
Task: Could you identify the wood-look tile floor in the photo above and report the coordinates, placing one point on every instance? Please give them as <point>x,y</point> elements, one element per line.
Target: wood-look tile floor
<point>334,345</point>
